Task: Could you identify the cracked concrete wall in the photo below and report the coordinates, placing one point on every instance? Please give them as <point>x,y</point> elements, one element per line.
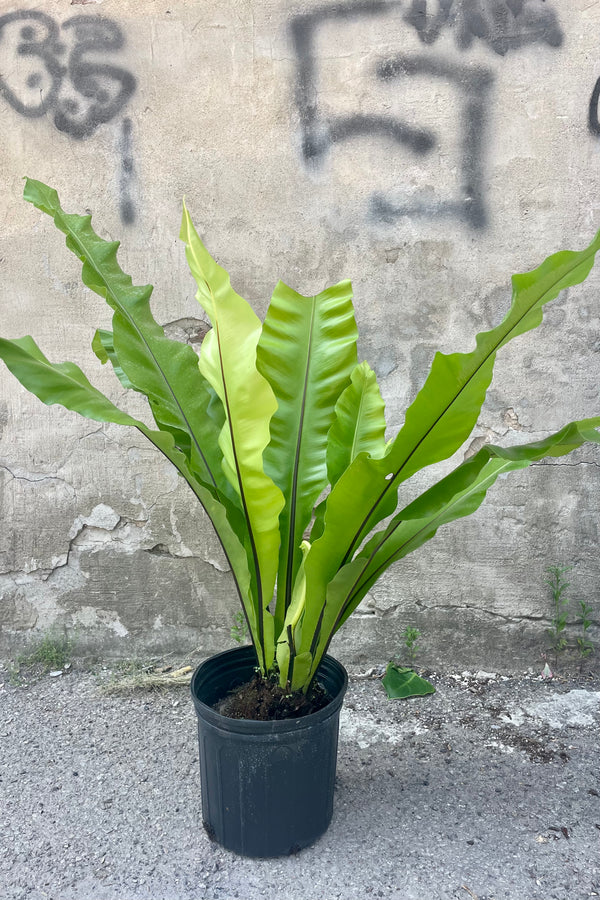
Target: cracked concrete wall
<point>426,151</point>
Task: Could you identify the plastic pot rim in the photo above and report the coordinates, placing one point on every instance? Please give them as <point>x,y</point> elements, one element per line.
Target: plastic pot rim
<point>329,667</point>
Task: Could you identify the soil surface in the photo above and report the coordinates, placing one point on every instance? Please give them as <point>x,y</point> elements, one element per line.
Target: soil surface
<point>263,699</point>
<point>487,789</point>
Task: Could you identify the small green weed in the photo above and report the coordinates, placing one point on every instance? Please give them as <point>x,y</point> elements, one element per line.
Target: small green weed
<point>411,636</point>
<point>585,645</point>
<point>51,653</point>
<point>558,585</point>
<point>559,644</point>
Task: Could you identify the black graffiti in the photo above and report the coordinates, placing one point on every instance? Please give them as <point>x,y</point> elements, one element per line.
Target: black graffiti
<point>503,25</point>
<point>79,91</point>
<point>317,132</point>
<point>473,85</point>
<point>39,40</point>
<point>105,88</point>
<point>594,124</point>
<point>126,174</point>
<point>464,199</point>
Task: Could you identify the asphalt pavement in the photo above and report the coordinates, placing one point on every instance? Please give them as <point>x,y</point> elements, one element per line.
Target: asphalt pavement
<point>487,789</point>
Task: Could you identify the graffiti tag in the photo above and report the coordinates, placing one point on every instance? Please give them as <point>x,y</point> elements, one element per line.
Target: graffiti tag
<point>80,92</point>
<point>504,25</point>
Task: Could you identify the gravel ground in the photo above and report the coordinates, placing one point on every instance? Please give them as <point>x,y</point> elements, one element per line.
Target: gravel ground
<point>490,788</point>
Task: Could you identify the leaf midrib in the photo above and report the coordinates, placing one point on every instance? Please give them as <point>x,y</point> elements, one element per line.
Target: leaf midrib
<point>289,575</point>
<point>123,310</point>
<point>361,403</point>
<point>228,421</point>
<point>241,484</point>
<point>88,386</point>
<point>357,581</point>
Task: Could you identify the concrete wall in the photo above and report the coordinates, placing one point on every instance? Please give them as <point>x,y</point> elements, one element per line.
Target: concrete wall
<point>427,150</point>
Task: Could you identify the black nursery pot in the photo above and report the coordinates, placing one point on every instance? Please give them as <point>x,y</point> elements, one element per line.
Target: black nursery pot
<point>267,787</point>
